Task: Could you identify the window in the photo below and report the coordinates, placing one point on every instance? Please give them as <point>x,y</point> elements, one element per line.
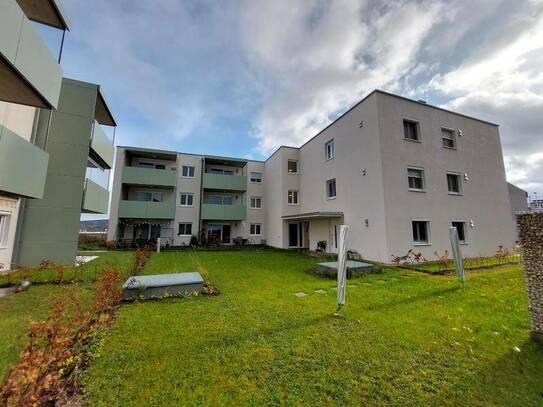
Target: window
<point>292,197</point>
<point>461,230</point>
<point>453,183</point>
<point>331,188</point>
<point>411,130</point>
<point>185,229</point>
<point>256,202</point>
<point>157,166</point>
<point>219,199</point>
<point>329,150</point>
<point>188,171</point>
<point>186,199</point>
<point>146,196</point>
<point>160,166</point>
<point>4,224</point>
<point>220,171</point>
<point>415,177</point>
<point>447,135</point>
<point>255,229</point>
<point>292,166</point>
<point>420,232</point>
<point>256,177</point>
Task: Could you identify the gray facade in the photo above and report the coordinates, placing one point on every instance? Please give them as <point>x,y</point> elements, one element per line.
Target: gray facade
<point>399,172</point>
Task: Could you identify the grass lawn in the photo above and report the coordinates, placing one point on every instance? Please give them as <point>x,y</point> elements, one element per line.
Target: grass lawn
<point>408,338</point>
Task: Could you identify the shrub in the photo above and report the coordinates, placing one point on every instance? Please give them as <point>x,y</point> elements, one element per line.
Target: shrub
<point>111,244</point>
<point>443,260</point>
<point>410,258</point>
<point>139,259</point>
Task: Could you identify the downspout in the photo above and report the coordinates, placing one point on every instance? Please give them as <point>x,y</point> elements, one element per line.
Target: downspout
<point>200,223</point>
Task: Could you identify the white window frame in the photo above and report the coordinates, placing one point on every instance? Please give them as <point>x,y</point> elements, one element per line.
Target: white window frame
<point>428,236</point>
<point>252,179</point>
<point>188,171</point>
<point>4,228</point>
<point>329,150</point>
<point>297,166</point>
<point>291,193</point>
<point>423,178</point>
<point>256,199</point>
<point>328,182</point>
<point>187,194</point>
<point>459,177</point>
<point>417,126</point>
<point>465,241</point>
<point>255,225</point>
<point>185,229</point>
<point>453,138</point>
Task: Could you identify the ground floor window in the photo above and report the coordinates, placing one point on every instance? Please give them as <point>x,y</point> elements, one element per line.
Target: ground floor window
<point>255,229</point>
<point>185,229</point>
<point>461,230</point>
<point>420,232</point>
<point>186,199</point>
<point>218,233</point>
<point>331,188</point>
<point>4,225</point>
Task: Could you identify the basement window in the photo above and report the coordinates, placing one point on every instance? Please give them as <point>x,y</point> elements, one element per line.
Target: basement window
<point>461,230</point>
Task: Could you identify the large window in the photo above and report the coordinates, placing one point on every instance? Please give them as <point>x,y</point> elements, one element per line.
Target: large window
<point>256,202</point>
<point>415,178</point>
<point>292,166</point>
<point>256,177</point>
<point>219,199</point>
<point>146,196</point>
<point>447,135</point>
<point>461,230</point>
<point>292,198</point>
<point>186,199</point>
<point>329,150</point>
<point>157,166</point>
<point>185,229</point>
<point>255,229</point>
<point>188,171</point>
<point>453,183</point>
<point>220,171</point>
<point>411,130</point>
<point>4,225</point>
<point>420,232</point>
<point>331,188</point>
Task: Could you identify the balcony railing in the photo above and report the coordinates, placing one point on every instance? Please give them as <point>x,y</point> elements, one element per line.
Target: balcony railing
<point>23,166</point>
<point>223,212</point>
<point>95,198</point>
<point>149,176</point>
<point>225,182</point>
<point>102,146</point>
<point>147,210</point>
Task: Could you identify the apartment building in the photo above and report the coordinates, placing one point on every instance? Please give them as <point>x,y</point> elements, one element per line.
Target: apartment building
<point>54,155</point>
<point>399,172</point>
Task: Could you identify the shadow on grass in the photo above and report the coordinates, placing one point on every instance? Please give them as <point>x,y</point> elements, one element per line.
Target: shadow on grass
<point>413,298</point>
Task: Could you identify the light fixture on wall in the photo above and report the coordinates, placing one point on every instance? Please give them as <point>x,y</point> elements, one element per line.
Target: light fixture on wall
<point>459,132</point>
<point>364,172</point>
<point>367,222</point>
<point>361,124</point>
<point>466,177</point>
<point>471,224</point>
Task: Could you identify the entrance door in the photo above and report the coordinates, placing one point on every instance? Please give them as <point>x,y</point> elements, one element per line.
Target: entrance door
<point>141,232</point>
<point>214,232</point>
<point>155,232</point>
<point>226,234</point>
<point>295,235</point>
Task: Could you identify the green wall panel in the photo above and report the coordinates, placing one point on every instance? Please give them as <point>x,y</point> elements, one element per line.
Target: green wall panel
<point>147,210</point>
<point>225,182</point>
<point>148,176</point>
<point>223,212</point>
<point>102,144</point>
<point>95,198</point>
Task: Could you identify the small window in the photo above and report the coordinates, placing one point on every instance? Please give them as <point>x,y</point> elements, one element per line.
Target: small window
<point>185,229</point>
<point>4,229</point>
<point>255,229</point>
<point>329,150</point>
<point>331,188</point>
<point>447,135</point>
<point>256,177</point>
<point>420,232</point>
<point>453,183</point>
<point>160,166</point>
<point>415,178</point>
<point>292,197</point>
<point>292,166</point>
<point>461,230</point>
<point>188,171</point>
<point>256,202</point>
<point>411,130</point>
<point>186,199</point>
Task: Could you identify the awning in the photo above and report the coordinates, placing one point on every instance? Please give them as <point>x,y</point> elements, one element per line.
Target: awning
<point>313,215</point>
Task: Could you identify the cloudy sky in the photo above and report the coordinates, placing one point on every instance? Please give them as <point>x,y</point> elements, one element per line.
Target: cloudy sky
<point>241,77</point>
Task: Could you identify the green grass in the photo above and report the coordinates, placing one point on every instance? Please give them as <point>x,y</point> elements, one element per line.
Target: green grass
<point>407,338</point>
<point>470,263</point>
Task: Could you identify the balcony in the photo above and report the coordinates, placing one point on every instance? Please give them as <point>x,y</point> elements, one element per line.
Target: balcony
<point>95,198</point>
<point>102,146</point>
<point>29,73</point>
<point>149,176</point>
<point>23,166</point>
<point>223,212</point>
<point>225,182</point>
<point>147,210</point>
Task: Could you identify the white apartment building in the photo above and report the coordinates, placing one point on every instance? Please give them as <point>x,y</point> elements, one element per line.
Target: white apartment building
<point>399,172</point>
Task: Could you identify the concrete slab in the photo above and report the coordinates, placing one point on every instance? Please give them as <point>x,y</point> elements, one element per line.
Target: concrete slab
<point>79,260</point>
<point>354,268</point>
<point>161,285</point>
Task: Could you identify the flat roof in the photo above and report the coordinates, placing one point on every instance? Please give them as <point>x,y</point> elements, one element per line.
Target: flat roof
<point>313,215</point>
<point>215,158</point>
<point>48,12</point>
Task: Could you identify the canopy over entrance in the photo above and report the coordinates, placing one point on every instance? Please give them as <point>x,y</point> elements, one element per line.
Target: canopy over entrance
<point>313,215</point>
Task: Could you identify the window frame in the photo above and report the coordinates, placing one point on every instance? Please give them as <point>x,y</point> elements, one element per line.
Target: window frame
<point>185,224</point>
<point>422,177</point>
<point>427,242</point>
<point>297,166</point>
<point>333,150</point>
<point>417,129</point>
<point>252,179</point>
<point>464,230</point>
<point>251,225</point>
<point>328,183</point>
<point>459,179</point>
<point>295,193</point>
<point>453,138</point>
<point>257,199</point>
<point>187,194</point>
<point>188,171</point>
<point>4,229</point>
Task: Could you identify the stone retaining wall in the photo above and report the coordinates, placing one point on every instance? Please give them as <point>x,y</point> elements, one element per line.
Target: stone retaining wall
<point>531,238</point>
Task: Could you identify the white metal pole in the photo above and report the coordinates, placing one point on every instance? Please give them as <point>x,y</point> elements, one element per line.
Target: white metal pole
<point>457,254</point>
<point>342,266</point>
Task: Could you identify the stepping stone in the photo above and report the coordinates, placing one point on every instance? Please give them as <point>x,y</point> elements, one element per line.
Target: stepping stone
<point>320,291</point>
<point>162,285</point>
<point>300,294</point>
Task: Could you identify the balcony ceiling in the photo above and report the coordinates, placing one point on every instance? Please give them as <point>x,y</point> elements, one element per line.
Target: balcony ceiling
<point>151,153</point>
<point>313,215</point>
<point>102,113</point>
<point>227,161</point>
<point>46,12</point>
<point>15,89</point>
